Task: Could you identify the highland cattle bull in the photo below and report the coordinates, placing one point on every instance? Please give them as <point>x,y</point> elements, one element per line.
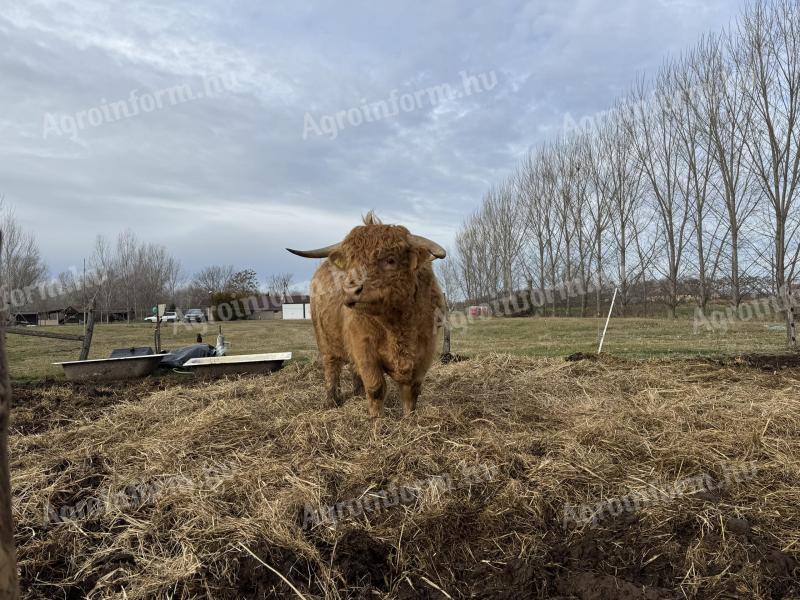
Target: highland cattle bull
<point>376,304</point>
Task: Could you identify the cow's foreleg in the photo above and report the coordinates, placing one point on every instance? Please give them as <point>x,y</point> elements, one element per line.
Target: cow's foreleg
<point>333,369</point>
<point>368,367</point>
<point>375,386</point>
<point>376,392</point>
<point>409,393</point>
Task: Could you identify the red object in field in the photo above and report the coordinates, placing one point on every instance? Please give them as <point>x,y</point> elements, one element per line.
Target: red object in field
<point>479,312</point>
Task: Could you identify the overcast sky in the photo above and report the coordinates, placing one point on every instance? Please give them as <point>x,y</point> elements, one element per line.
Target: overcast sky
<point>255,160</point>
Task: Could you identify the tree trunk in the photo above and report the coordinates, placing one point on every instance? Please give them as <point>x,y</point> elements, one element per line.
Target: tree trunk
<point>736,290</point>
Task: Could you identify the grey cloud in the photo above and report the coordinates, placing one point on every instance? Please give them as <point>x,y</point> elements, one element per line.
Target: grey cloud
<point>230,179</point>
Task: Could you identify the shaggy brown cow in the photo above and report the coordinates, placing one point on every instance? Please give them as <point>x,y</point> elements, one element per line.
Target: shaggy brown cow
<point>376,304</point>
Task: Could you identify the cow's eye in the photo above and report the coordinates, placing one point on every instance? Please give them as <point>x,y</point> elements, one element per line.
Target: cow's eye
<point>390,262</point>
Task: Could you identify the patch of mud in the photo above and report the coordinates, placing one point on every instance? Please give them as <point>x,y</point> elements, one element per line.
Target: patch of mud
<point>767,362</point>
<point>51,404</point>
<point>589,586</point>
<point>255,581</point>
<point>448,358</point>
<point>578,356</point>
<point>363,561</point>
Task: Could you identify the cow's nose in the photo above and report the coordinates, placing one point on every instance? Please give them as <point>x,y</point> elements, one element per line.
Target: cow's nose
<point>357,289</point>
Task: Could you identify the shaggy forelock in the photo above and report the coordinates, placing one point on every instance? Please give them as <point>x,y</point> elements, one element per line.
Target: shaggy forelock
<point>366,240</point>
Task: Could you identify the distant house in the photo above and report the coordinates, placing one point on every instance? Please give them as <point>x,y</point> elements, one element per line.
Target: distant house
<point>116,314</point>
<point>289,306</point>
<point>300,309</point>
<point>62,316</point>
<point>267,307</point>
<point>26,318</point>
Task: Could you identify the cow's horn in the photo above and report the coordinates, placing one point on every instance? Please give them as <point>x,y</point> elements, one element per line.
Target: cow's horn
<point>318,253</point>
<point>429,245</point>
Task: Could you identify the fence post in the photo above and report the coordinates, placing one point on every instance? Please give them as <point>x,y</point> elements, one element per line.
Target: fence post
<point>86,345</point>
<point>610,310</point>
<point>9,588</point>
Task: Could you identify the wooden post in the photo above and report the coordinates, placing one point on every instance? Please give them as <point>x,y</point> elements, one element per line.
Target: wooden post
<point>87,339</point>
<point>9,588</point>
<point>157,335</point>
<point>446,337</point>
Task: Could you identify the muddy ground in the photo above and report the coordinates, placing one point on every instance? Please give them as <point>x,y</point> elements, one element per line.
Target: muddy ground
<point>559,432</point>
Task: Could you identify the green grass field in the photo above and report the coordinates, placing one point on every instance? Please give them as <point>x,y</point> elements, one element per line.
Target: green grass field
<point>31,358</point>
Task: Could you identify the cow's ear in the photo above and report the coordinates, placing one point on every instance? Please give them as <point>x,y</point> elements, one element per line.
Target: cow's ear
<point>337,260</point>
<point>417,257</point>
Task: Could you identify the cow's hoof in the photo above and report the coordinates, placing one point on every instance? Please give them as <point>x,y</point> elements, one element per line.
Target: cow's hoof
<point>333,402</point>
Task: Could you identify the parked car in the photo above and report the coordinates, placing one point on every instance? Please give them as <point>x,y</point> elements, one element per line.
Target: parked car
<point>194,315</point>
<point>169,317</point>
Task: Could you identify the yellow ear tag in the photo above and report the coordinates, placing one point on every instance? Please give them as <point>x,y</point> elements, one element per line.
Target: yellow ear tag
<point>339,262</point>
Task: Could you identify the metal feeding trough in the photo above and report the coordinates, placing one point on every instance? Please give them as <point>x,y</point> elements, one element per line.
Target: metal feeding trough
<point>111,369</point>
<point>238,365</point>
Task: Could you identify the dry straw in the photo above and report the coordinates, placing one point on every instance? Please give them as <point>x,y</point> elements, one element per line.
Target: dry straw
<point>561,434</point>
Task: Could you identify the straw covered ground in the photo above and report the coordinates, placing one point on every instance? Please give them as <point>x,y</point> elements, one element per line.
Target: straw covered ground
<point>688,469</point>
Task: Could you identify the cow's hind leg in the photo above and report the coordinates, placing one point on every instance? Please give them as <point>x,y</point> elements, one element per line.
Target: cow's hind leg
<point>333,369</point>
<point>358,383</point>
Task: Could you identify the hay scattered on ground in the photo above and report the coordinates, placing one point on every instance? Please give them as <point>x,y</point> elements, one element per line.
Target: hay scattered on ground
<point>206,487</point>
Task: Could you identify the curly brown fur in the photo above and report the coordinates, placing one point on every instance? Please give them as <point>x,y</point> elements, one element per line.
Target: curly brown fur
<point>376,304</point>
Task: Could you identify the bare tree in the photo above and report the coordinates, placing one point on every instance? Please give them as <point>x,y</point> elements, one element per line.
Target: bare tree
<point>656,140</point>
<point>723,111</point>
<point>279,284</point>
<point>21,264</point>
<point>103,262</point>
<point>695,156</point>
<point>507,232</point>
<point>534,205</point>
<point>599,160</point>
<point>555,237</point>
<point>447,274</point>
<point>214,279</point>
<point>625,176</point>
<point>769,55</point>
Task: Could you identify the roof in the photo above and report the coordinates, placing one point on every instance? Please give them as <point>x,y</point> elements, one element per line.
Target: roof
<point>275,302</point>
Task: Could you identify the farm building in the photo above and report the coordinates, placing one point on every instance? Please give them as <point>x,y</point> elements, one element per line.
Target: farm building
<point>62,316</point>
<point>26,318</point>
<point>281,307</point>
<point>113,315</point>
<point>296,310</point>
<point>268,307</point>
<point>56,316</point>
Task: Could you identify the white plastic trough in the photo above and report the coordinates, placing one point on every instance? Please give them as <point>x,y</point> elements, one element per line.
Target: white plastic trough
<point>111,369</point>
<point>236,365</point>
